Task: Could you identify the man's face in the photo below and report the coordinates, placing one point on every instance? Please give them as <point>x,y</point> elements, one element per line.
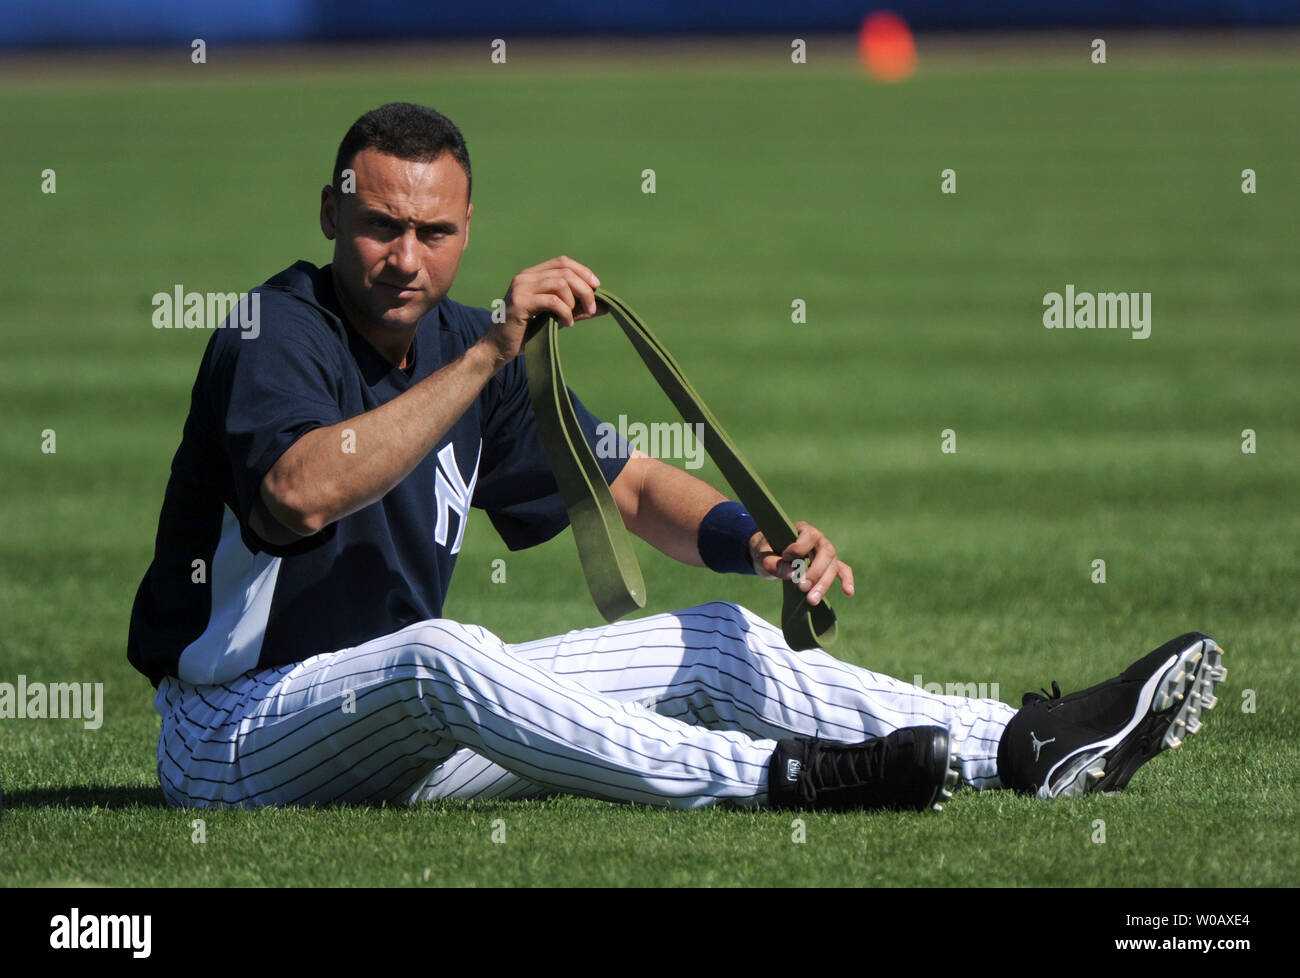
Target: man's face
<point>399,238</point>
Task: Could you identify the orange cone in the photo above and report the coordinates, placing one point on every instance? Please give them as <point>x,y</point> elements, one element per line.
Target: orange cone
<point>886,48</point>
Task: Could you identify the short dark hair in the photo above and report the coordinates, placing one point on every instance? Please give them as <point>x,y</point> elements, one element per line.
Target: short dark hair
<point>404,130</point>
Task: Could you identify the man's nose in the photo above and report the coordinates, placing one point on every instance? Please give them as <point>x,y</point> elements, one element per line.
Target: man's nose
<point>402,255</point>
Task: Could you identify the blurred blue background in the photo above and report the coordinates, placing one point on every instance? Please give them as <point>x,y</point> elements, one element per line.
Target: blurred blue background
<point>60,23</point>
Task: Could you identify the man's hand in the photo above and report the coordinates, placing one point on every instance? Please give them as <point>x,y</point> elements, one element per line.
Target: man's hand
<point>563,287</point>
<point>810,562</point>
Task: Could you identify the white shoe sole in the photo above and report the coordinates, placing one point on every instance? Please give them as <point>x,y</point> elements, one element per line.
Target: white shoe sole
<point>1173,698</point>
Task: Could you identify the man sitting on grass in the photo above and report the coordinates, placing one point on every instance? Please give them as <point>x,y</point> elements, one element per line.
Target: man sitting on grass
<point>324,478</point>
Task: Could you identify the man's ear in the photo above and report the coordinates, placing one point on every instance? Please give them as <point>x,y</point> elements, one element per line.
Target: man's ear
<point>468,214</point>
<point>329,212</point>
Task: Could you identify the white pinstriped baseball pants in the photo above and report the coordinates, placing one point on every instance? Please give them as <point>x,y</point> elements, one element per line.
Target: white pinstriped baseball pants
<point>680,709</point>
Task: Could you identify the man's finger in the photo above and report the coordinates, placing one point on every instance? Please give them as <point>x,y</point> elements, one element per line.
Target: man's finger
<point>583,294</point>
<point>564,261</point>
<point>822,586</point>
<point>546,302</point>
<point>803,543</point>
<point>769,564</point>
<point>776,566</point>
<point>846,578</point>
<point>559,286</point>
<point>821,560</point>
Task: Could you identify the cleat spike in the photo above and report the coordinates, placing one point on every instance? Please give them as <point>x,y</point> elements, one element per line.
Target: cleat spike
<point>1057,747</point>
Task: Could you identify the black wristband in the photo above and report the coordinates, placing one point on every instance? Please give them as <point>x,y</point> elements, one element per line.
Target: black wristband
<point>724,538</point>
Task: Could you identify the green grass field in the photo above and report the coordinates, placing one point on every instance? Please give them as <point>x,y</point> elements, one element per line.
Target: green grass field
<point>775,182</point>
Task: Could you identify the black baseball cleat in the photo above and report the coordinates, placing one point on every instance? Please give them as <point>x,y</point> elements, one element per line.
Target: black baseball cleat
<point>1094,740</point>
<point>910,769</point>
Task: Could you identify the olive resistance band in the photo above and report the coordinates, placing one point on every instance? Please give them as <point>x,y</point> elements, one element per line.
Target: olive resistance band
<point>604,545</point>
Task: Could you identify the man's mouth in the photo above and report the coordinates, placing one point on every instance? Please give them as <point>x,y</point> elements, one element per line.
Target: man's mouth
<point>401,291</point>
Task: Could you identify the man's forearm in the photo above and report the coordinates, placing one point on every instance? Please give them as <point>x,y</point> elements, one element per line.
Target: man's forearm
<point>664,505</point>
<point>317,481</point>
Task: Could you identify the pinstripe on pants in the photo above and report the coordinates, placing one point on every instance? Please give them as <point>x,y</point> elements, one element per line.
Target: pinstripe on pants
<point>680,709</point>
